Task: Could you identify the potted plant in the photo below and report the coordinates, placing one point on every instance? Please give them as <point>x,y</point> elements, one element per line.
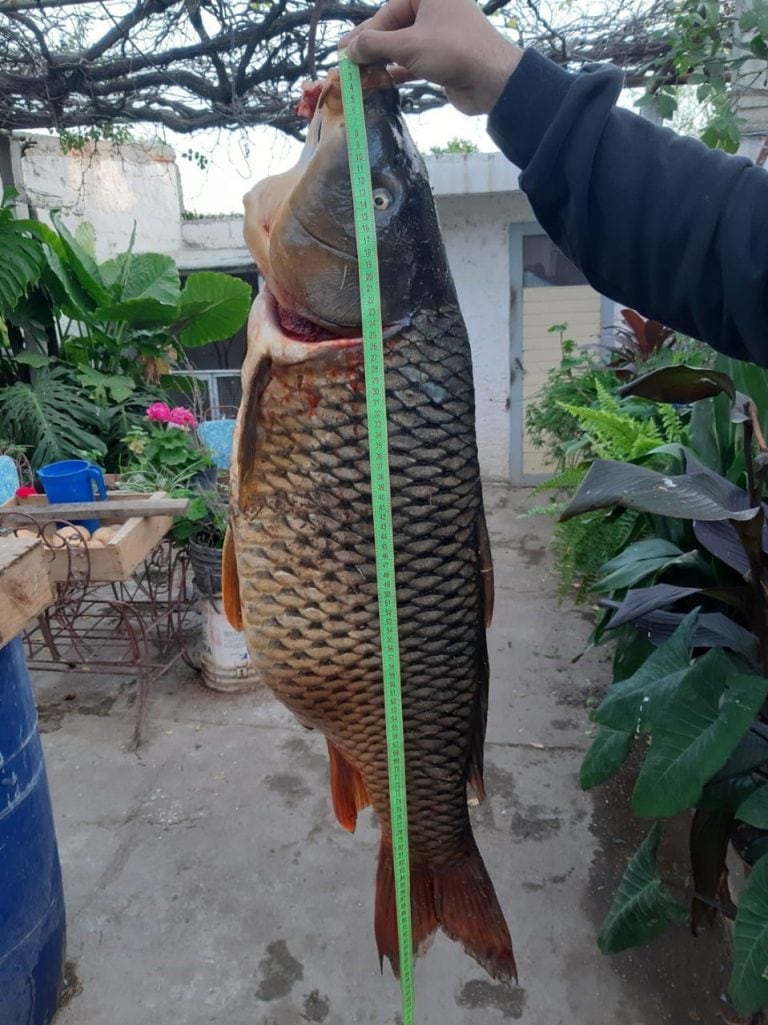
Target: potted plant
<point>167,456</point>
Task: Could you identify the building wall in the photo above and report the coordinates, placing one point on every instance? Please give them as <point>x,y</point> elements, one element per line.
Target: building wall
<point>476,233</point>
<point>115,189</point>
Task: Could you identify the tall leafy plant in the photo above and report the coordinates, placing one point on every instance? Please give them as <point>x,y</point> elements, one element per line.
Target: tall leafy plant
<point>691,698</point>
<point>104,338</point>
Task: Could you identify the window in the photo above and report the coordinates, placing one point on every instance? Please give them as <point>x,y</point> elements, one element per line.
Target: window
<point>545,265</point>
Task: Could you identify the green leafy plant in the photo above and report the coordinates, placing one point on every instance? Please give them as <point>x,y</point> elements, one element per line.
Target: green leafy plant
<point>694,702</point>
<point>52,418</point>
<point>114,330</point>
<point>612,428</point>
<point>454,145</point>
<point>166,456</point>
<point>705,51</point>
<point>21,257</point>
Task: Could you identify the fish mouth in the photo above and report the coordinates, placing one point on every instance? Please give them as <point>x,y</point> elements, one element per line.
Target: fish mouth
<point>296,328</point>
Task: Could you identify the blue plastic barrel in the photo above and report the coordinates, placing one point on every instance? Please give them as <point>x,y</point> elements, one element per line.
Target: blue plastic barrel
<point>32,927</point>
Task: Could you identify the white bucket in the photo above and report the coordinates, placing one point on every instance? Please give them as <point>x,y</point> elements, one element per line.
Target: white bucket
<point>225,664</point>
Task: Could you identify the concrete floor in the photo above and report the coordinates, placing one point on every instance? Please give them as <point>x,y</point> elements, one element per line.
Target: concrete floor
<point>207,880</point>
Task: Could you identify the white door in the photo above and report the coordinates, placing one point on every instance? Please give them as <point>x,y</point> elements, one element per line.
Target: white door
<point>547,289</point>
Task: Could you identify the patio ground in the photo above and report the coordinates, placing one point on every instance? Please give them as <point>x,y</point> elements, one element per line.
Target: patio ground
<point>207,881</point>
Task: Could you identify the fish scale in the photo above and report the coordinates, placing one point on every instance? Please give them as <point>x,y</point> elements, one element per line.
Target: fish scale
<point>282,568</point>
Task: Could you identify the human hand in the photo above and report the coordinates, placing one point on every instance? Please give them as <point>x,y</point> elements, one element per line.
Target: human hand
<point>449,42</point>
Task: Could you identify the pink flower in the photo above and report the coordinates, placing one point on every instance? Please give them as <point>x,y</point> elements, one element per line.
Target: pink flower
<point>182,417</point>
<point>159,411</point>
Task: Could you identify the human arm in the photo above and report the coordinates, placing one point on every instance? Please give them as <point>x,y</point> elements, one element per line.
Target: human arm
<point>655,221</point>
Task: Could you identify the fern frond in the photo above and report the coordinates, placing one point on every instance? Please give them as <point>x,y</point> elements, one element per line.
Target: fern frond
<point>672,424</point>
<point>616,435</point>
<point>568,480</point>
<point>583,544</point>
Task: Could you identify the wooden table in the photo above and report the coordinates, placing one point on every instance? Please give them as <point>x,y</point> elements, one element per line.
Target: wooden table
<point>25,587</point>
<point>126,608</point>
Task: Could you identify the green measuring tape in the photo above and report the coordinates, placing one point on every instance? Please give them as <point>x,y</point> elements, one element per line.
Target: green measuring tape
<point>376,406</point>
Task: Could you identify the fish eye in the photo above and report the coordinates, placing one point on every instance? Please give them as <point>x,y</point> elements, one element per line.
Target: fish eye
<point>382,199</point>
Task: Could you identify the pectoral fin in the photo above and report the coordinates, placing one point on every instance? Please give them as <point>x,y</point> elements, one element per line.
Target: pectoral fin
<point>230,583</point>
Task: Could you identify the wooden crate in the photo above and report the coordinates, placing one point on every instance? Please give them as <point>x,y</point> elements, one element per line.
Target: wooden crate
<point>118,558</point>
<point>25,587</point>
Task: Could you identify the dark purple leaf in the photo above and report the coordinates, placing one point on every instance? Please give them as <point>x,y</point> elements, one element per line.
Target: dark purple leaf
<point>722,540</point>
<point>710,831</point>
<point>610,483</point>
<point>751,536</point>
<point>680,384</point>
<point>641,600</point>
<point>731,495</point>
<point>714,630</point>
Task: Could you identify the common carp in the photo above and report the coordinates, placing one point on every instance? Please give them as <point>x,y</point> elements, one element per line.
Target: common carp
<point>299,569</point>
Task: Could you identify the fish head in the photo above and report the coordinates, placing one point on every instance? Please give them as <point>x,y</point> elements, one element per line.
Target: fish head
<point>300,225</point>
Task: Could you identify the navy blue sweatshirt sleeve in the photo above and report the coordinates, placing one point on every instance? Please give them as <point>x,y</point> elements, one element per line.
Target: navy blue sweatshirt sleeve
<point>654,220</point>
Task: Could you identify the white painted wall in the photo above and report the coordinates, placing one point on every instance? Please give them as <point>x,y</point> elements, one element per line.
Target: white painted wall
<point>476,233</point>
<point>112,188</point>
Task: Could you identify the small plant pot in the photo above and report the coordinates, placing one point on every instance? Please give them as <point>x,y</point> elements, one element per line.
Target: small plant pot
<point>206,568</point>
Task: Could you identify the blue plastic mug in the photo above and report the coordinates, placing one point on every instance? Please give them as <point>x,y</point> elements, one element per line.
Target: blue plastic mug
<point>72,480</point>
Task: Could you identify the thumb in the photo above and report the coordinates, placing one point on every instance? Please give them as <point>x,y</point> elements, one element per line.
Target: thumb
<point>372,45</point>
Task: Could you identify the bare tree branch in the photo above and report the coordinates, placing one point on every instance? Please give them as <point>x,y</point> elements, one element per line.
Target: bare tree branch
<point>189,64</point>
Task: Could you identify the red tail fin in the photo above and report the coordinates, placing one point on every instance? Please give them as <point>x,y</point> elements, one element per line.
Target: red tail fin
<point>459,898</point>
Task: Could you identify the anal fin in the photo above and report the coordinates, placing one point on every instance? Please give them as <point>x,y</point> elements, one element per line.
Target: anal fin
<point>348,792</point>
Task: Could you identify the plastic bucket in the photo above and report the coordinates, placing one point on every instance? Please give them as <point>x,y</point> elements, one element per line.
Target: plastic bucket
<point>225,664</point>
<point>72,480</point>
<point>32,927</point>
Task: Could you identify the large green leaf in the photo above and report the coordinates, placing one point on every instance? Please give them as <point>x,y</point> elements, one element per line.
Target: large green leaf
<point>643,907</point>
<point>630,704</point>
<point>146,311</point>
<point>750,379</point>
<point>755,809</point>
<point>52,419</point>
<point>82,264</point>
<point>703,721</point>
<point>690,497</point>
<point>21,262</point>
<point>609,750</point>
<point>213,306</point>
<point>748,986</point>
<point>635,563</point>
<point>142,275</point>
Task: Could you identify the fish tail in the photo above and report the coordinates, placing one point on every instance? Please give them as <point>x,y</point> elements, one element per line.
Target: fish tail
<point>459,898</point>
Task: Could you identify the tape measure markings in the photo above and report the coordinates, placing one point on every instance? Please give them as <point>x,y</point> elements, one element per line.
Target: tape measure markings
<point>376,408</point>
